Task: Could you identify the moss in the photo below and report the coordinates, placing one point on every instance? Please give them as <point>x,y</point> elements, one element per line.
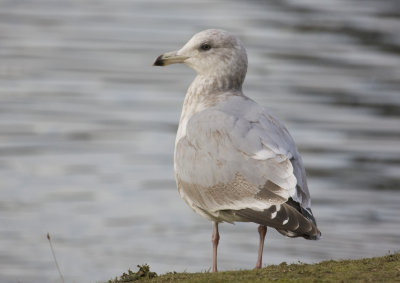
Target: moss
<point>378,269</point>
<point>143,273</point>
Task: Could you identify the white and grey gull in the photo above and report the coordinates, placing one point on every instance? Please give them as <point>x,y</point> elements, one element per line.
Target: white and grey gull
<point>234,161</point>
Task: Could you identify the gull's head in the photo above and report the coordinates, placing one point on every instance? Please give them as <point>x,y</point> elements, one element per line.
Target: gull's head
<point>211,53</point>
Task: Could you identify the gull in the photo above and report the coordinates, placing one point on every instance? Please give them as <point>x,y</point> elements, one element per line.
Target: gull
<point>234,161</point>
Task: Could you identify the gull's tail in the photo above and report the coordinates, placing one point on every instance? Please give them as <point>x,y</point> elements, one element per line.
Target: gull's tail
<point>289,219</point>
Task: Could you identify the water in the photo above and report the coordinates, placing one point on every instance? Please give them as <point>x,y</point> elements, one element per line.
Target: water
<point>87,129</point>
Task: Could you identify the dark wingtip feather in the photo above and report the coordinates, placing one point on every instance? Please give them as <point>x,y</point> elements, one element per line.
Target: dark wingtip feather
<point>159,61</point>
<point>288,220</point>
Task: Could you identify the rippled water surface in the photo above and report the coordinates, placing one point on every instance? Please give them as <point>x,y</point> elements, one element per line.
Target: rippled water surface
<point>87,129</point>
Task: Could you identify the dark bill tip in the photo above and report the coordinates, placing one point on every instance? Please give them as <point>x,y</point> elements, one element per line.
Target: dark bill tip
<point>159,61</point>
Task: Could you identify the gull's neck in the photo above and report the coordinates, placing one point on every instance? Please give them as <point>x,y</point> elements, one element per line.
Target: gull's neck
<point>208,91</point>
<point>203,93</point>
<point>212,85</point>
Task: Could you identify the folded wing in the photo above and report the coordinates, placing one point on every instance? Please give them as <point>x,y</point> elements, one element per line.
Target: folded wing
<point>239,163</point>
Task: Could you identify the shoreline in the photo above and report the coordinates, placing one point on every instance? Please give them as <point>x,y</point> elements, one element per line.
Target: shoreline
<point>376,269</point>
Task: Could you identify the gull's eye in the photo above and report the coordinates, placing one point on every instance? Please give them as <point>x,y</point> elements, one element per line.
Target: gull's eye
<point>205,47</point>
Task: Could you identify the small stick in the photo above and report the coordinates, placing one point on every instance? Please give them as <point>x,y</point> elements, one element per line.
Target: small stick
<point>55,259</point>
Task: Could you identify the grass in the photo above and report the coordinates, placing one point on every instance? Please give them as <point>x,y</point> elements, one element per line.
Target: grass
<point>377,269</point>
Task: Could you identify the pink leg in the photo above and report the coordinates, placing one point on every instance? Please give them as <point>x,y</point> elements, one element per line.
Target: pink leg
<point>215,240</point>
<point>262,230</point>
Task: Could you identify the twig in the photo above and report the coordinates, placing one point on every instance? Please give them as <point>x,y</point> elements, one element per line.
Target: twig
<point>55,259</point>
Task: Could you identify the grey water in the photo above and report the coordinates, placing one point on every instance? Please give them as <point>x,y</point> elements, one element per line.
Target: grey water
<point>87,129</point>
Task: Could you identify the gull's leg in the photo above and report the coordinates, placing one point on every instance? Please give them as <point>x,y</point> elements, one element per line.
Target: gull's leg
<point>215,240</point>
<point>262,230</point>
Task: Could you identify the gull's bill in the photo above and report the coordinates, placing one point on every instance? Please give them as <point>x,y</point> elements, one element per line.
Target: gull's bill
<point>169,58</point>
